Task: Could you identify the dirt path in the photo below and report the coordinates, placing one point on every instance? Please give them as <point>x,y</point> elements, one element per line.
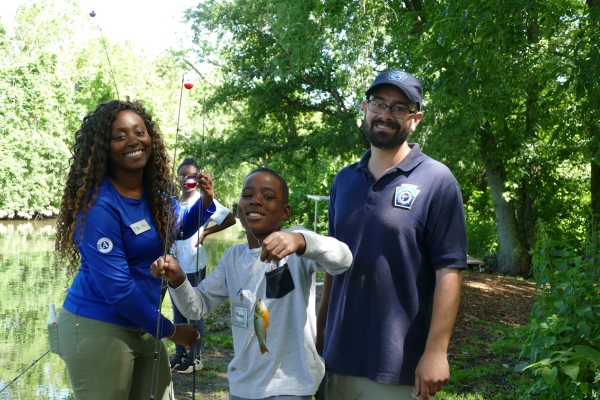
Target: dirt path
<point>490,298</point>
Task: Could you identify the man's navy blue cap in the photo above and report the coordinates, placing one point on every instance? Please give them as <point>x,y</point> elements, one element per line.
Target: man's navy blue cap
<point>403,81</point>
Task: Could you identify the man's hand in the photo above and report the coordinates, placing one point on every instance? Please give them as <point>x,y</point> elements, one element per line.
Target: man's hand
<point>432,373</point>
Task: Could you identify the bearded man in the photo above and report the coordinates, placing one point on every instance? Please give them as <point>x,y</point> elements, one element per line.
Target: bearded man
<point>386,322</point>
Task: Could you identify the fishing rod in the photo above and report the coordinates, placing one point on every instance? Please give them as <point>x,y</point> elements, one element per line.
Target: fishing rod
<point>103,41</point>
<point>25,370</point>
<point>185,82</point>
<point>198,245</point>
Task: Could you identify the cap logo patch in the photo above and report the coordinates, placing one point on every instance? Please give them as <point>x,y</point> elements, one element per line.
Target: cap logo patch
<point>405,196</point>
<point>397,76</point>
<point>104,245</point>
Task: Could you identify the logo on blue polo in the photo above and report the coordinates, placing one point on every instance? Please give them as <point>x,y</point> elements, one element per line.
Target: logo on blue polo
<point>104,245</point>
<point>397,76</point>
<point>405,196</point>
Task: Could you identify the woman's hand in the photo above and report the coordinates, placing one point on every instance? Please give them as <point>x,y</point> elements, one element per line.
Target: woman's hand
<point>169,268</point>
<point>184,334</point>
<point>279,245</point>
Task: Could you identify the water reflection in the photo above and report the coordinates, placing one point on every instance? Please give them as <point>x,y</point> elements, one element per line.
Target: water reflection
<point>29,283</point>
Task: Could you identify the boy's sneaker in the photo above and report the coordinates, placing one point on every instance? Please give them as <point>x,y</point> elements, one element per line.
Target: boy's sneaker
<point>187,366</point>
<point>176,360</point>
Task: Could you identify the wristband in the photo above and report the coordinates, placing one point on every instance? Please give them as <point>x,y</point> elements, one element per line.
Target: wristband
<point>174,332</point>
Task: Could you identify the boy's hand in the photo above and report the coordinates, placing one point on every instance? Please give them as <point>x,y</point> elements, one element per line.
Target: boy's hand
<point>279,244</point>
<point>168,268</point>
<point>207,188</point>
<point>184,334</point>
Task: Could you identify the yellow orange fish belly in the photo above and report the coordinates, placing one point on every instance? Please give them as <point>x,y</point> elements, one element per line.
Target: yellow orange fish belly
<point>261,324</point>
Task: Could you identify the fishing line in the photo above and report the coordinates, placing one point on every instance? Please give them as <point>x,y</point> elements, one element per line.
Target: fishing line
<point>103,41</point>
<point>247,223</point>
<point>217,160</point>
<point>273,263</point>
<point>195,350</point>
<point>166,251</point>
<point>25,370</point>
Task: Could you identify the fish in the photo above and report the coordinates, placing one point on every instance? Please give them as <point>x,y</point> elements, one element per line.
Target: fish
<point>261,324</point>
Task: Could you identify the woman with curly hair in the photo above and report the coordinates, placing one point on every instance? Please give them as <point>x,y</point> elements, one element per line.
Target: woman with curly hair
<point>113,223</point>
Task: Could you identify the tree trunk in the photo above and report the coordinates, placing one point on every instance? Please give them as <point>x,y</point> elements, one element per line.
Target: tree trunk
<point>513,257</point>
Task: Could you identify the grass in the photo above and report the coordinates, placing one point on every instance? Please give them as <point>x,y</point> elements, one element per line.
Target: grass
<point>319,276</point>
<point>223,340</point>
<point>485,368</point>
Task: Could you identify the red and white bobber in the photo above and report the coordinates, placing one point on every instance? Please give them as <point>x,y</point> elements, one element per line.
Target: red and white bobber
<point>188,83</point>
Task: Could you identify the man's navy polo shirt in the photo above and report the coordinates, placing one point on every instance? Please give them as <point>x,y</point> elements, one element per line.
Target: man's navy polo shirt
<point>400,229</point>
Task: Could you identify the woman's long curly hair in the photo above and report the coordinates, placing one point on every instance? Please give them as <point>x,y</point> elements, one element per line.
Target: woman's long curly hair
<point>89,165</point>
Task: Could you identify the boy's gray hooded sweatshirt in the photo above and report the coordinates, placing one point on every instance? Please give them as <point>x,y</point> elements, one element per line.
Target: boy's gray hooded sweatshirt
<point>292,365</point>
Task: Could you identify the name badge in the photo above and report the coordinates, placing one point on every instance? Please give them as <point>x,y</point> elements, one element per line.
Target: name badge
<point>240,316</point>
<point>140,227</point>
<point>405,196</point>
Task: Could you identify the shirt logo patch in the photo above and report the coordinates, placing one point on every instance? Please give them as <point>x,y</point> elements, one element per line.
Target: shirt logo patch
<point>405,196</point>
<point>397,76</point>
<point>104,245</point>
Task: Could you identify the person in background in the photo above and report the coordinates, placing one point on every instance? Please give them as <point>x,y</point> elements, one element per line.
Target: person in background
<point>270,280</point>
<point>401,214</point>
<point>115,219</point>
<point>192,258</point>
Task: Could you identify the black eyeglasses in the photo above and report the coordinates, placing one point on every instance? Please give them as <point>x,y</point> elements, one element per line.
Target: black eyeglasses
<point>397,112</point>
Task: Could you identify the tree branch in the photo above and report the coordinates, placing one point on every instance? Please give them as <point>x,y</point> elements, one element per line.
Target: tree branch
<point>229,101</point>
<point>305,107</point>
<point>417,7</point>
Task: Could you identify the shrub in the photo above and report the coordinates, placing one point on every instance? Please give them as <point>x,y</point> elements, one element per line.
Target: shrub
<point>564,330</point>
<point>490,261</point>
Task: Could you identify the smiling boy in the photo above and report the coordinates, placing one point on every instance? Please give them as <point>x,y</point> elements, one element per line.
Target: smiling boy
<point>292,366</point>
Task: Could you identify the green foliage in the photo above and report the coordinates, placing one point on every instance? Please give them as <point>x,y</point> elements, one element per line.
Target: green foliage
<point>37,112</point>
<point>564,340</point>
<point>490,261</point>
<point>482,368</point>
<point>286,91</point>
<point>316,179</point>
<point>224,340</point>
<point>49,79</point>
<point>499,99</point>
<point>216,321</point>
<point>481,224</point>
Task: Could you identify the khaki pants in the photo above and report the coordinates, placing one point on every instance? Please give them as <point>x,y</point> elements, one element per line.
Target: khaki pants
<point>344,387</point>
<point>108,361</point>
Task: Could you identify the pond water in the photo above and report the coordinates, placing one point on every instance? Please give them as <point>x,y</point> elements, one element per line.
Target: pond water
<point>31,282</point>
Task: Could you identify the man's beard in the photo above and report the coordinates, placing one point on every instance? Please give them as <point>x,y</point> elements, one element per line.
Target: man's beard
<point>385,140</point>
